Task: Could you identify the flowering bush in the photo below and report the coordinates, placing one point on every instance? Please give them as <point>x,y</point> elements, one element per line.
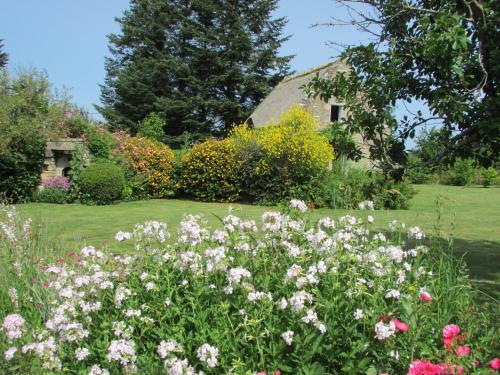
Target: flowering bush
<point>150,159</point>
<point>282,296</point>
<point>55,190</point>
<point>281,161</point>
<point>210,171</point>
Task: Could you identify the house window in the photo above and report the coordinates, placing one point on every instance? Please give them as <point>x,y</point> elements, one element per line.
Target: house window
<point>335,113</point>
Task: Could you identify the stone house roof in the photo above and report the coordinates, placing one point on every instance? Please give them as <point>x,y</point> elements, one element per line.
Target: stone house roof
<point>289,92</point>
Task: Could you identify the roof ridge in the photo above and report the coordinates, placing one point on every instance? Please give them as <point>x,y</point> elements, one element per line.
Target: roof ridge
<point>309,71</point>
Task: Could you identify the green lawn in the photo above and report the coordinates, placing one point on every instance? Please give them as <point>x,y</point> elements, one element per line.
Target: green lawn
<point>471,215</point>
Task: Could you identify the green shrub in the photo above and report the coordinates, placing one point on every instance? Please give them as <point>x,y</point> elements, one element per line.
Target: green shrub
<point>53,195</point>
<point>152,127</point>
<point>99,141</point>
<point>210,171</point>
<point>386,193</point>
<point>489,175</point>
<point>25,105</point>
<point>462,172</point>
<point>102,182</point>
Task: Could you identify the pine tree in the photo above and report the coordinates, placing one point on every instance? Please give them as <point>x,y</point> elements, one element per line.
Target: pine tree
<point>202,64</point>
<point>3,56</point>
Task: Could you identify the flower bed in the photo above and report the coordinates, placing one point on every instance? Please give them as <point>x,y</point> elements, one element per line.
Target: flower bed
<point>281,296</point>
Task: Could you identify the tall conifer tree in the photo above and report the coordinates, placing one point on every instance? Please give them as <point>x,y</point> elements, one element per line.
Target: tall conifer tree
<point>3,56</point>
<point>202,64</point>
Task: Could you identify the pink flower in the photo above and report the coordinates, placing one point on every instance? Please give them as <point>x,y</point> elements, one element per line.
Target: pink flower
<point>424,367</point>
<point>495,364</point>
<point>424,296</point>
<point>450,331</point>
<point>462,350</point>
<point>400,326</point>
<point>450,334</point>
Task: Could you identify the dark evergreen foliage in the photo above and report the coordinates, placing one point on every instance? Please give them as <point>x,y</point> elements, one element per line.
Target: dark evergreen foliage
<point>202,65</point>
<point>3,56</point>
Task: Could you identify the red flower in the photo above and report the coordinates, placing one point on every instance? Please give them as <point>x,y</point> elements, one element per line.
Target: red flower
<point>495,364</point>
<point>311,206</point>
<point>400,326</point>
<point>424,296</point>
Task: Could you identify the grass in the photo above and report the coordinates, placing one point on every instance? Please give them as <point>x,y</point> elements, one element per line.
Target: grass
<point>468,215</point>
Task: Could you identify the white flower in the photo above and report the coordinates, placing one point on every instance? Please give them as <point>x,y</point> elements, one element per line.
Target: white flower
<point>384,331</point>
<point>97,370</point>
<point>321,327</point>
<point>416,232</point>
<point>370,219</point>
<point>123,352</point>
<point>298,300</point>
<point>358,314</point>
<point>81,353</point>
<point>150,286</point>
<point>394,354</point>
<point>311,317</point>
<point>283,303</point>
<point>122,236</point>
<point>288,337</point>
<point>298,204</point>
<point>208,354</point>
<point>9,353</point>
<point>392,293</point>
<point>235,274</point>
<point>167,347</point>
<point>255,296</point>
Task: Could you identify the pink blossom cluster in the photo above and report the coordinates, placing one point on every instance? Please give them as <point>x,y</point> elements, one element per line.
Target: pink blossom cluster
<point>13,326</point>
<point>57,182</point>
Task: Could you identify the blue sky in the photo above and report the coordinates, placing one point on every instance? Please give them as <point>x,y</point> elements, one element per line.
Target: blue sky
<point>67,39</point>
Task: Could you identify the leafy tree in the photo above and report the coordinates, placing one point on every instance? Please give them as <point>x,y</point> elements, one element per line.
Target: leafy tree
<point>3,56</point>
<point>152,127</point>
<point>443,53</point>
<point>200,64</point>
<point>24,109</point>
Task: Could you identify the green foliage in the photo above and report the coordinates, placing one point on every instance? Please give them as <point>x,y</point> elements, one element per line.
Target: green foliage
<point>443,54</point>
<point>76,165</point>
<point>208,63</point>
<point>489,175</point>
<point>461,173</point>
<point>152,127</point>
<point>53,195</point>
<point>24,109</point>
<point>102,182</point>
<point>99,141</point>
<point>210,171</point>
<point>348,184</point>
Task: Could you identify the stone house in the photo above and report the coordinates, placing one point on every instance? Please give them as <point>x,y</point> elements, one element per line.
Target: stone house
<point>289,92</point>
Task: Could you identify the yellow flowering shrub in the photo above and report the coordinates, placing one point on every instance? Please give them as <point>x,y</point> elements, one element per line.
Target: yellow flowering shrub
<point>282,160</point>
<point>210,171</point>
<point>151,159</point>
<point>293,145</point>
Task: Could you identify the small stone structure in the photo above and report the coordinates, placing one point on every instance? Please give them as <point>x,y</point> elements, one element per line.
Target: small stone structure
<point>57,157</point>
